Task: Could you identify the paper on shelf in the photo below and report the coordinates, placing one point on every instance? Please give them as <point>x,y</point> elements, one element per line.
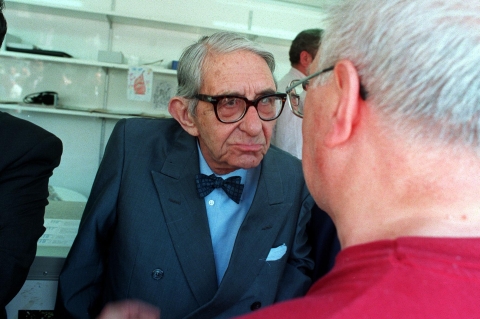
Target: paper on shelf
<point>140,81</point>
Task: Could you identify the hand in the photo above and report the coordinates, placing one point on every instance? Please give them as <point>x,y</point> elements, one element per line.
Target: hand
<point>129,309</point>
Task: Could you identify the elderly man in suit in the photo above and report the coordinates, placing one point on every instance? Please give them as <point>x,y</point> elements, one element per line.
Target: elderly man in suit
<point>196,215</point>
<point>28,155</point>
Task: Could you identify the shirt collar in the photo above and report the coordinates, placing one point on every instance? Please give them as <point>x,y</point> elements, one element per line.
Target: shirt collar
<point>205,169</point>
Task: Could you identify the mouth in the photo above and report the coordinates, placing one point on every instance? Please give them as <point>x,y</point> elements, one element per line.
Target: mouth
<point>249,148</point>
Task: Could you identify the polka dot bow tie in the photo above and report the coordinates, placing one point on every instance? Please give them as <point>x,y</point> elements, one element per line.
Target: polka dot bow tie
<point>231,186</point>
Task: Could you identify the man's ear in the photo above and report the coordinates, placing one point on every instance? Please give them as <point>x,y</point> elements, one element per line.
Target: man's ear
<point>305,59</point>
<point>346,87</point>
<point>178,109</point>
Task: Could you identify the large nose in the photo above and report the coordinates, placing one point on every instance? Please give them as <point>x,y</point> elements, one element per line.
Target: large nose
<point>251,123</point>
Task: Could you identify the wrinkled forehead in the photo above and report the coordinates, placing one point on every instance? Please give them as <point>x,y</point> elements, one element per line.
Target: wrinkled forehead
<point>240,72</point>
<point>214,60</point>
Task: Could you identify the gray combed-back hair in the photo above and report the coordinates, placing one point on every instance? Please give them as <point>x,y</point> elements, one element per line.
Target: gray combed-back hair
<point>193,60</point>
<point>418,60</point>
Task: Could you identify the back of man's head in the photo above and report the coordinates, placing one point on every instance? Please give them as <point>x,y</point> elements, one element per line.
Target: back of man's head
<point>307,40</point>
<point>3,22</point>
<point>416,59</point>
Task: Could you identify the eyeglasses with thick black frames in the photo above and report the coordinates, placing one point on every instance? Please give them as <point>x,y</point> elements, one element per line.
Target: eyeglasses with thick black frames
<point>232,108</point>
<point>297,87</point>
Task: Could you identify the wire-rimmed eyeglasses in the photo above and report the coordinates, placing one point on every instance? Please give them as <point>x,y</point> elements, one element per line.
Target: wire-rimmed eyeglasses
<point>232,108</point>
<point>296,89</point>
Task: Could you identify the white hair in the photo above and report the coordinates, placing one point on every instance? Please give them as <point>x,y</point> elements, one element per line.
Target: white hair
<point>418,60</point>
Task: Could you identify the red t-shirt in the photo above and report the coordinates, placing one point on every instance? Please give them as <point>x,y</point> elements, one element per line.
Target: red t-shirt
<point>411,277</point>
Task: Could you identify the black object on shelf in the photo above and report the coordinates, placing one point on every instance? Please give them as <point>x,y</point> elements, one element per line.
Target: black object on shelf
<point>39,51</point>
<point>45,98</point>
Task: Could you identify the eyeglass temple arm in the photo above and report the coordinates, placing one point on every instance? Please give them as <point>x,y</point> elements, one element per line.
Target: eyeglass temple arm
<point>290,87</point>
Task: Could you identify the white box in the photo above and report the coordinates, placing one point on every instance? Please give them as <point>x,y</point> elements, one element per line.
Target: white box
<point>110,56</point>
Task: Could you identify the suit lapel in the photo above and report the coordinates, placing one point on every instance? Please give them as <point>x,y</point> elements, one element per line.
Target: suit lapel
<point>254,240</point>
<point>257,233</point>
<point>186,217</point>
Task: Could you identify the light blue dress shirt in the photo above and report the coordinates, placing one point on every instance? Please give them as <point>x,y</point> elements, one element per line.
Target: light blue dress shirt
<point>224,215</point>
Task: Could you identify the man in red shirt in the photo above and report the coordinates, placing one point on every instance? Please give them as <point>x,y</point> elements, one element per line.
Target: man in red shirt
<point>392,152</point>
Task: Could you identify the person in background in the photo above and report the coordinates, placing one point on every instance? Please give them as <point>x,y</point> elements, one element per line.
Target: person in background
<point>28,155</point>
<point>288,130</point>
<point>392,152</point>
<point>196,215</point>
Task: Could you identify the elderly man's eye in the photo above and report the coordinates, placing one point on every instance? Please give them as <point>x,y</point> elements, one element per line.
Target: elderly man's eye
<point>266,101</point>
<point>230,101</point>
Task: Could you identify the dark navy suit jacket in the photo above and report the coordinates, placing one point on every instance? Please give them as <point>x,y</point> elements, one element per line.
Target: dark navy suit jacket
<point>145,235</point>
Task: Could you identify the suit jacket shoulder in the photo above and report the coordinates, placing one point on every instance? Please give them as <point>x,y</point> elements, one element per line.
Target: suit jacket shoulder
<point>20,136</point>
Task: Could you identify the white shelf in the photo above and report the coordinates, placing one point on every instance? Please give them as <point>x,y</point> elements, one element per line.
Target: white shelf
<point>57,10</point>
<point>86,113</point>
<point>115,17</point>
<point>20,55</point>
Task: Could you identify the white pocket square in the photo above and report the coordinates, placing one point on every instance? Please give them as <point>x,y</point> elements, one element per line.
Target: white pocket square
<point>277,253</point>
